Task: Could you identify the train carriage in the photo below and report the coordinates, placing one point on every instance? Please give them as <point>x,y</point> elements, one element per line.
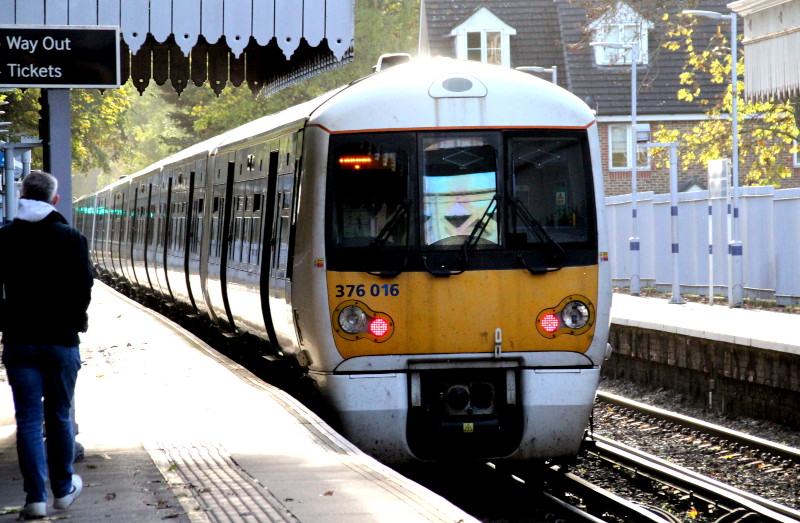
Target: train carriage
<point>427,242</point>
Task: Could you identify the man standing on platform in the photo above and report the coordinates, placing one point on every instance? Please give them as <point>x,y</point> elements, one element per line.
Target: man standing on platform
<point>45,289</point>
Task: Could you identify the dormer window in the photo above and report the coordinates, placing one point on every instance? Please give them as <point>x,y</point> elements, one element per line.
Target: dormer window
<point>620,25</point>
<point>483,37</point>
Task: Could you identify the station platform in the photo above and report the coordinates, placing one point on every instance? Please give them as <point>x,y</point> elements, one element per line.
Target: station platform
<point>174,431</point>
<point>756,328</point>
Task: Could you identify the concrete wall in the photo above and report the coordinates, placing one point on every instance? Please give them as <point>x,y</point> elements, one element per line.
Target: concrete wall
<point>728,378</point>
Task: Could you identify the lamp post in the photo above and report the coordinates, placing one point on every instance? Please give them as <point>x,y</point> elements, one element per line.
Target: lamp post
<point>536,69</point>
<point>634,239</point>
<point>735,266</point>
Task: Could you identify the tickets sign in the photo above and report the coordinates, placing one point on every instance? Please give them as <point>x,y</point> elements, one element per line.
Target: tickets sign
<point>59,56</point>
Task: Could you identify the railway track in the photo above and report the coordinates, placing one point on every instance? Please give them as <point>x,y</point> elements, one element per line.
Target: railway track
<point>616,482</point>
<point>767,451</point>
<point>701,495</point>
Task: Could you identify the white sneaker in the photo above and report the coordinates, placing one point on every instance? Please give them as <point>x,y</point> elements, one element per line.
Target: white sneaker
<point>66,501</point>
<point>33,510</point>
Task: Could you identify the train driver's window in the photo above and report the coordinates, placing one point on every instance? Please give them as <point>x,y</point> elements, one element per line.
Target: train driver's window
<point>550,182</point>
<point>459,185</point>
<point>369,188</point>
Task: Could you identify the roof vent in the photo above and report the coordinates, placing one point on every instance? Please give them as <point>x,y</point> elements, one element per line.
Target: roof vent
<point>388,60</point>
<point>458,86</point>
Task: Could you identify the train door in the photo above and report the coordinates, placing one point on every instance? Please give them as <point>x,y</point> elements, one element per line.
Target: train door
<point>220,243</point>
<point>91,227</point>
<point>191,220</point>
<point>148,213</point>
<point>224,257</point>
<point>126,235</point>
<point>156,246</point>
<point>119,199</point>
<point>164,238</point>
<point>198,251</point>
<point>95,231</point>
<point>138,228</point>
<point>267,247</point>
<point>280,259</point>
<point>104,213</point>
<point>113,241</point>
<point>244,245</point>
<point>99,235</point>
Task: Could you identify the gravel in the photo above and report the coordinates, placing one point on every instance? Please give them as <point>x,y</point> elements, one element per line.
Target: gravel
<point>779,484</point>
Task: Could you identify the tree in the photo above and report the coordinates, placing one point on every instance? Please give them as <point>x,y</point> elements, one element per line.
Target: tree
<point>381,26</point>
<point>767,128</point>
<point>97,120</point>
<point>98,127</point>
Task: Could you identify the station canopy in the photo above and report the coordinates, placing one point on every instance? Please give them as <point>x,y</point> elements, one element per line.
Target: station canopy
<point>269,44</point>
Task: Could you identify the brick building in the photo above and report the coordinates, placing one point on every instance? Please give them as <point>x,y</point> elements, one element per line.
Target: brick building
<point>547,33</point>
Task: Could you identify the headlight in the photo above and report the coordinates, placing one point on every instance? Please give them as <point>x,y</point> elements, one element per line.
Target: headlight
<point>352,319</point>
<point>575,315</point>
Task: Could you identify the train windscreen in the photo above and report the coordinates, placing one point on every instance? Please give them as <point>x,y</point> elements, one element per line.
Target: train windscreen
<point>496,197</point>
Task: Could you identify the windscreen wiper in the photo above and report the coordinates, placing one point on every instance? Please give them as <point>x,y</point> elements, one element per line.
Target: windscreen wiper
<point>480,227</point>
<point>379,241</point>
<point>557,256</point>
<point>470,243</point>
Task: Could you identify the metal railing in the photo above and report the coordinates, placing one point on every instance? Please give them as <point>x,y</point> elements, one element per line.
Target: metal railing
<point>769,228</point>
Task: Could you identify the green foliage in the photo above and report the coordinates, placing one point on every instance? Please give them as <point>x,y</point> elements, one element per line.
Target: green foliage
<point>97,123</point>
<point>767,129</point>
<point>22,111</point>
<point>381,26</point>
<point>98,134</point>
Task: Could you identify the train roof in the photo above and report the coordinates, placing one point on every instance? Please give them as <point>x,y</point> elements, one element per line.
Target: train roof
<point>444,92</point>
<point>275,123</point>
<point>414,95</point>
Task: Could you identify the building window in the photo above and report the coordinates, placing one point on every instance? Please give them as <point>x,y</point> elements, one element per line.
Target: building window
<point>483,37</point>
<point>622,25</point>
<point>796,156</point>
<point>619,146</point>
<point>485,46</point>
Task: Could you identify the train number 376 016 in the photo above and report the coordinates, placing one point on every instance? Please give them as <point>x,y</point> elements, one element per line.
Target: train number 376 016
<point>363,290</point>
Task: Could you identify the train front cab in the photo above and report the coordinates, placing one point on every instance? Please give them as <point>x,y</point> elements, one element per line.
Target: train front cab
<point>466,294</point>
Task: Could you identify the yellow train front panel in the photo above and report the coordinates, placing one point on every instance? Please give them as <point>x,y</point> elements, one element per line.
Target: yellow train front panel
<point>473,312</point>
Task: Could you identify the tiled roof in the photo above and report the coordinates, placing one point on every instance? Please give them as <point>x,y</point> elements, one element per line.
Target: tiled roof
<point>537,41</point>
<point>554,32</point>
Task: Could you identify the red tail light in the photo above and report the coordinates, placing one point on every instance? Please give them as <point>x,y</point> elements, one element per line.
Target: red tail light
<point>378,327</point>
<point>550,323</point>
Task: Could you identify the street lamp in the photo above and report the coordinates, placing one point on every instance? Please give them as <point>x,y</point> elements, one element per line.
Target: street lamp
<point>634,239</point>
<point>735,267</point>
<point>536,69</point>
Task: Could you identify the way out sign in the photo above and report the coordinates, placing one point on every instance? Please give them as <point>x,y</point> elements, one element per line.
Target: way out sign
<point>59,56</point>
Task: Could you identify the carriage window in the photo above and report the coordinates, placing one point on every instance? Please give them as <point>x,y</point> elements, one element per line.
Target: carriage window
<point>550,182</point>
<point>459,184</point>
<point>370,189</point>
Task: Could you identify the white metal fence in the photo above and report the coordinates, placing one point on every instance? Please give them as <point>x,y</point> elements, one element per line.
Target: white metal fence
<point>769,231</point>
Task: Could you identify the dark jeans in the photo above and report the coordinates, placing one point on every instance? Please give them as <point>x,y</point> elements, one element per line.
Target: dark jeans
<point>49,372</point>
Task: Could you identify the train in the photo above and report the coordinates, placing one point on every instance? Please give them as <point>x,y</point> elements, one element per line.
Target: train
<point>428,243</point>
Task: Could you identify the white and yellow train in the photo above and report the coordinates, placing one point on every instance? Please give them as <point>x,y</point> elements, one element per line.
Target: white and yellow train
<point>428,242</point>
